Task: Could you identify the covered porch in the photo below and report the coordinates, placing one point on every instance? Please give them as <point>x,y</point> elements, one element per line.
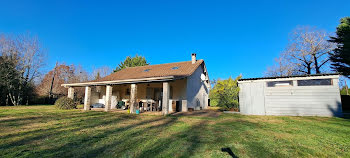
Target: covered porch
<point>163,94</point>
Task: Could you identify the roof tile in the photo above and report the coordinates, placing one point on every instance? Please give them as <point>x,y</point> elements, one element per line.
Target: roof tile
<point>162,70</point>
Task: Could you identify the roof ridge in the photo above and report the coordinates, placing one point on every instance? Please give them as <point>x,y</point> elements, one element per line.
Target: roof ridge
<point>160,64</point>
<point>186,71</point>
<point>202,61</point>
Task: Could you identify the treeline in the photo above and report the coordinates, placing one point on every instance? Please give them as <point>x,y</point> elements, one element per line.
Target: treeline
<point>21,59</point>
<point>23,80</point>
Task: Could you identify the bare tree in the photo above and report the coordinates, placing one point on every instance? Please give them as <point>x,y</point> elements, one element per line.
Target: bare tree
<point>306,53</point>
<point>32,56</point>
<point>28,56</point>
<point>282,68</point>
<point>100,72</point>
<point>79,74</point>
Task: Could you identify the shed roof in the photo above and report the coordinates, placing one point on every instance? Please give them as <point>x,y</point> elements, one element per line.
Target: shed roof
<point>292,76</point>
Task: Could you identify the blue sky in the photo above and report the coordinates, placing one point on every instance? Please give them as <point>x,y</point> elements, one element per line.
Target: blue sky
<point>233,37</point>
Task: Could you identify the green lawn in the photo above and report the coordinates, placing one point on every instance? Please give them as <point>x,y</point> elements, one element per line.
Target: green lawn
<point>43,131</point>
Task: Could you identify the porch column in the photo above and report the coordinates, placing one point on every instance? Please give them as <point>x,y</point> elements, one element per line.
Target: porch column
<point>166,95</point>
<point>108,97</point>
<point>133,94</point>
<point>184,105</point>
<point>71,92</point>
<point>87,98</point>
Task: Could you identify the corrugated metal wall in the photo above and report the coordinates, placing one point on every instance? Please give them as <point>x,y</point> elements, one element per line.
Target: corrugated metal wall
<point>258,99</point>
<point>302,101</point>
<point>251,98</point>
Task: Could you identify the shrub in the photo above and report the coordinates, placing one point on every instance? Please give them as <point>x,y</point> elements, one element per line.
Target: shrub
<point>225,93</point>
<point>42,100</point>
<point>65,103</point>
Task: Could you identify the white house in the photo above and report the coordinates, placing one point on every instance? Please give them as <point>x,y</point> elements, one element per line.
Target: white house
<point>308,95</point>
<point>170,87</point>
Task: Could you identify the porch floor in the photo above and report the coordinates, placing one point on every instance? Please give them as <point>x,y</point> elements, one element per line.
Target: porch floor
<point>126,111</point>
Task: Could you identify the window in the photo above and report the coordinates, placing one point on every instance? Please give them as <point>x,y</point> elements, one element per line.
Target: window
<point>174,68</point>
<point>146,70</point>
<point>279,83</point>
<point>315,82</point>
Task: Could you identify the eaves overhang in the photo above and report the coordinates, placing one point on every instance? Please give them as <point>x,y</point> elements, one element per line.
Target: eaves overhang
<point>128,81</point>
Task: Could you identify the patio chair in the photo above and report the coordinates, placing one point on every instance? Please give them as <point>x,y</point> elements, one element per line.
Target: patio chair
<point>120,104</point>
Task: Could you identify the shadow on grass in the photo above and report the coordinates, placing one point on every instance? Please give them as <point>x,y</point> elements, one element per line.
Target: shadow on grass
<point>201,113</point>
<point>131,140</point>
<point>84,142</point>
<point>76,120</point>
<point>146,138</point>
<point>101,134</point>
<point>229,151</point>
<point>259,139</point>
<point>180,144</point>
<point>58,129</point>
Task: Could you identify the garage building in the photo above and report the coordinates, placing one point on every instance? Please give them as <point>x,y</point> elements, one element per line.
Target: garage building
<point>308,95</point>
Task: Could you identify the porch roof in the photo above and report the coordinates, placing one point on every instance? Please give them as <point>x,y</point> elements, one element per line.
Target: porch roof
<point>149,73</point>
<point>115,82</point>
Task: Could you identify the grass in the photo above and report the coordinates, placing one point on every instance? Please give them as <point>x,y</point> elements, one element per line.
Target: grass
<point>43,131</point>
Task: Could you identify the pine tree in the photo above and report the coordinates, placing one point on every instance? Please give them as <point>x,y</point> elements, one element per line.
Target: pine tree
<point>132,62</point>
<point>341,55</point>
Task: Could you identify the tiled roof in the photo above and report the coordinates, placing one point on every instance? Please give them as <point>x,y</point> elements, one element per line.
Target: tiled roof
<point>179,69</point>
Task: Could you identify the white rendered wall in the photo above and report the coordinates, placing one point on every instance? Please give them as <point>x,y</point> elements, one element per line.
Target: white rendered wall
<point>197,90</point>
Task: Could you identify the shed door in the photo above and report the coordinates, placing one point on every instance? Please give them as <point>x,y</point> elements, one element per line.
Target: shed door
<point>257,98</point>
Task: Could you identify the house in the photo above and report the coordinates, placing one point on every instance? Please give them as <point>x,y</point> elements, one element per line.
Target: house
<point>167,87</point>
<point>308,95</point>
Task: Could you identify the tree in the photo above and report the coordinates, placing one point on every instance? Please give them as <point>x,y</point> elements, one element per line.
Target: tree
<point>132,62</point>
<point>281,68</point>
<point>306,53</point>
<point>28,57</point>
<point>340,56</point>
<point>79,75</point>
<point>100,72</point>
<point>225,93</point>
<point>344,90</point>
<point>9,79</point>
<point>62,74</point>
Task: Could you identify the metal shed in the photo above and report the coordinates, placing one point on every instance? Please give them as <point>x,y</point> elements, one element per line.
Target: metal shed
<point>308,95</point>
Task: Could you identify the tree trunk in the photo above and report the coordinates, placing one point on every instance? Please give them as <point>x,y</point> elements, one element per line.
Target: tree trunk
<point>308,69</point>
<point>316,64</point>
<point>7,100</point>
<point>14,99</point>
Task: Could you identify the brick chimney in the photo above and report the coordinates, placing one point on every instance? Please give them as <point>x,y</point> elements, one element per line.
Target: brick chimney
<point>193,58</point>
